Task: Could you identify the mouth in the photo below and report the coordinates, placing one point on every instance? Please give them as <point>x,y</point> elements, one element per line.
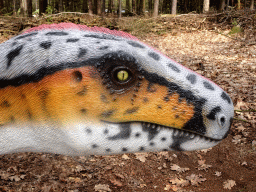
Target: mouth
<point>155,137</point>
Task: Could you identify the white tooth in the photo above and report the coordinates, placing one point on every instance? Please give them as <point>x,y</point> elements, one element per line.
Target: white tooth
<point>197,139</point>
<point>148,125</point>
<point>181,133</point>
<point>186,134</point>
<point>158,128</point>
<point>175,133</point>
<point>192,136</point>
<point>153,126</point>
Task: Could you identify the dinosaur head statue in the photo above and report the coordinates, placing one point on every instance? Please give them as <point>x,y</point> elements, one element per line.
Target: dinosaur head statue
<point>75,90</point>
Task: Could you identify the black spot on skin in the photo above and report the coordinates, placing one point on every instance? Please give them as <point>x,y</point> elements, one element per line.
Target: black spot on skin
<point>30,116</point>
<point>150,88</point>
<point>191,78</point>
<point>12,119</point>
<point>208,85</point>
<point>152,132</point>
<point>46,44</point>
<point>94,146</point>
<point>163,139</point>
<point>145,99</point>
<point>88,130</point>
<point>177,116</point>
<point>108,150</point>
<point>142,149</point>
<point>57,33</point>
<point>154,56</point>
<point>12,54</point>
<point>104,48</point>
<point>82,52</point>
<point>132,110</point>
<point>174,68</point>
<point>107,114</point>
<point>27,35</point>
<point>43,95</point>
<point>102,36</point>
<point>5,104</point>
<point>137,135</point>
<point>225,97</point>
<point>125,132</point>
<point>83,111</point>
<point>151,143</point>
<point>82,92</point>
<point>135,44</point>
<point>77,76</point>
<point>159,106</point>
<point>72,40</point>
<point>106,131</point>
<point>103,98</point>
<point>124,149</point>
<point>212,114</point>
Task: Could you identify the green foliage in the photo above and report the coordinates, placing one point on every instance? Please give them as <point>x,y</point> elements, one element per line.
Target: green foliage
<point>49,9</point>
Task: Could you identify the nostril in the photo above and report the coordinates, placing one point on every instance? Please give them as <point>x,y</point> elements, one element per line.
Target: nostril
<point>222,120</point>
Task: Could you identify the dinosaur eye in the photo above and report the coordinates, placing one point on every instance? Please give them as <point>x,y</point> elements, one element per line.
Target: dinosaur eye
<point>122,75</point>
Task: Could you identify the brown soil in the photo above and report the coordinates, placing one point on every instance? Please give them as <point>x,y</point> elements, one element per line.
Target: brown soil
<point>230,166</point>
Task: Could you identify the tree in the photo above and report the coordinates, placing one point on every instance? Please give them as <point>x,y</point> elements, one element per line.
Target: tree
<point>206,6</point>
<point>222,5</point>
<point>23,7</point>
<point>174,7</point>
<point>42,6</point>
<point>252,5</point>
<point>142,7</point>
<point>120,8</point>
<point>156,6</point>
<point>128,7</point>
<point>29,4</point>
<point>90,7</point>
<point>238,4</point>
<point>98,7</point>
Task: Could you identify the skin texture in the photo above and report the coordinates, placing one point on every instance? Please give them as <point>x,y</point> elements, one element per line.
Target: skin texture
<point>75,90</point>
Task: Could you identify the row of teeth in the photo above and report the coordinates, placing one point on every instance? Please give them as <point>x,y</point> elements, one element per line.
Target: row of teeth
<point>177,132</point>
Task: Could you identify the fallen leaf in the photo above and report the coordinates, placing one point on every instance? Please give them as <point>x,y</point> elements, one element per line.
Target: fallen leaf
<point>124,156</point>
<point>229,184</point>
<point>179,182</point>
<point>195,179</point>
<point>202,165</point>
<point>240,128</point>
<point>175,167</point>
<point>141,156</point>
<point>237,139</point>
<point>116,182</point>
<point>217,173</point>
<point>102,188</point>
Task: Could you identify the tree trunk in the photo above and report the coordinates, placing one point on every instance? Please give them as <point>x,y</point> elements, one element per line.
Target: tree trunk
<point>252,5</point>
<point>98,7</point>
<point>103,8</point>
<point>150,6</point>
<point>142,7</point>
<point>60,6</point>
<point>120,9</point>
<point>23,7</point>
<point>174,7</point>
<point>238,4</point>
<point>90,7</point>
<point>134,6</point>
<point>222,5</point>
<point>1,5</point>
<point>156,6</point>
<point>14,7</point>
<point>29,4</point>
<point>42,6</point>
<point>110,6</point>
<point>128,7</point>
<point>206,6</point>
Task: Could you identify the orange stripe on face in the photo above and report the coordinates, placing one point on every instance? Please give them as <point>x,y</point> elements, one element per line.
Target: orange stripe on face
<point>79,95</point>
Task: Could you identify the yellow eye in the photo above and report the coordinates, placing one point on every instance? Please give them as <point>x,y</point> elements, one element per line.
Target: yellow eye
<point>122,75</point>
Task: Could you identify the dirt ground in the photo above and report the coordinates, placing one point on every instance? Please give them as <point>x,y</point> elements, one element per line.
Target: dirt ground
<point>230,166</point>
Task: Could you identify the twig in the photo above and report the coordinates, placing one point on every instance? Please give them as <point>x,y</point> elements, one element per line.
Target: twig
<point>250,110</point>
<point>242,120</point>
